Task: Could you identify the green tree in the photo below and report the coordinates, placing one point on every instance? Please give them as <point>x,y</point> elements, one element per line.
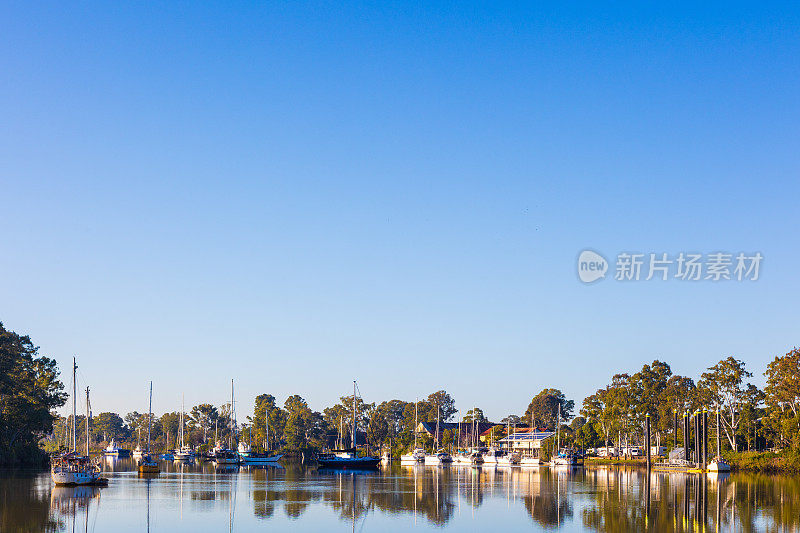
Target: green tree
<point>204,416</point>
<point>724,388</point>
<point>782,395</point>
<point>475,415</point>
<point>110,424</point>
<point>544,407</point>
<point>442,405</point>
<point>29,391</point>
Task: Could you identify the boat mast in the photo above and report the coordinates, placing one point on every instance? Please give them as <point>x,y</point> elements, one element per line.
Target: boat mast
<point>354,417</point>
<point>437,427</point>
<point>74,404</point>
<point>558,429</point>
<point>87,421</point>
<point>149,417</point>
<point>232,421</point>
<point>416,422</point>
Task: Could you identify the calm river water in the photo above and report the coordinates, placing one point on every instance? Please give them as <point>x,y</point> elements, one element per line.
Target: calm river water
<point>456,498</point>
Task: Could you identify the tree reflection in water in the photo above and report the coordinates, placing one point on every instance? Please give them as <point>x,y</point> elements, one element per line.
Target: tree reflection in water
<point>599,499</point>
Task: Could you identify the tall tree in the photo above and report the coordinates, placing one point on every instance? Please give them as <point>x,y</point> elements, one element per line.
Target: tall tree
<point>110,424</point>
<point>545,407</point>
<point>29,390</point>
<point>442,405</point>
<point>724,387</point>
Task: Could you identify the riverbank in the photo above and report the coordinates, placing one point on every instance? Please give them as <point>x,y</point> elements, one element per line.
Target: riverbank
<point>784,462</point>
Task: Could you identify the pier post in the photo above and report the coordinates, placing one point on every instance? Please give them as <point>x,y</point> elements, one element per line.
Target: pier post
<point>647,432</point>
<point>686,435</point>
<point>697,437</point>
<point>675,429</point>
<point>705,438</point>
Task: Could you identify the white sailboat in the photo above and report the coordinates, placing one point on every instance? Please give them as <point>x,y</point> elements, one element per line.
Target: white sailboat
<point>184,452</point>
<point>440,457</point>
<point>72,468</point>
<point>418,454</point>
<point>718,464</point>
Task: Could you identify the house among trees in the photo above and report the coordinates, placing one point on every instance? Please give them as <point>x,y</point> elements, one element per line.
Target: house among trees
<point>429,428</point>
<point>525,439</point>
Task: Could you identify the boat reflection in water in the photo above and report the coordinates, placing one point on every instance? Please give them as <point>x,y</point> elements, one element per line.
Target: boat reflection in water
<point>191,497</point>
<point>67,503</point>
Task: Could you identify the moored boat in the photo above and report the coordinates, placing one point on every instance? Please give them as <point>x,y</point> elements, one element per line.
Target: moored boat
<point>256,458</point>
<point>349,458</point>
<point>148,465</point>
<point>416,456</point>
<point>72,468</point>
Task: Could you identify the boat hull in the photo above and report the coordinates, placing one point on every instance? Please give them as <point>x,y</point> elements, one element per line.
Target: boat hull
<point>76,478</point>
<point>250,460</point>
<point>358,462</point>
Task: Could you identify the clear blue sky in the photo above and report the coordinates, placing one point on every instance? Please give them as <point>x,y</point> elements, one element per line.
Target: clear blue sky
<point>298,196</point>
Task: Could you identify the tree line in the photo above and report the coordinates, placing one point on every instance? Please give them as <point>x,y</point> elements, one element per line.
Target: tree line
<point>30,391</point>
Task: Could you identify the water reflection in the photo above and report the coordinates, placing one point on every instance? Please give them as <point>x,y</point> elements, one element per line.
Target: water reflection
<point>184,497</point>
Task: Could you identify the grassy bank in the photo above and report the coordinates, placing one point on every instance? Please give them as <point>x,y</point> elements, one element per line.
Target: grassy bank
<point>784,462</point>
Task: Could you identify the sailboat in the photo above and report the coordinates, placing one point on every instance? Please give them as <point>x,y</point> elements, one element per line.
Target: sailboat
<point>227,456</point>
<point>718,464</point>
<point>184,452</point>
<point>562,457</point>
<point>148,465</point>
<point>531,459</point>
<point>349,458</point>
<point>440,456</point>
<point>72,468</point>
<point>259,458</point>
<point>418,454</point>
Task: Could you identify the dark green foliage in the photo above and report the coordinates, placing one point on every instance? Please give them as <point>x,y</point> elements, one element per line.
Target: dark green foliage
<point>29,391</point>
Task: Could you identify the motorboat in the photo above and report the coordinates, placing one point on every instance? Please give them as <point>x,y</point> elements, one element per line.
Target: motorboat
<point>416,456</point>
<point>718,464</point>
<point>184,453</point>
<point>256,458</point>
<point>439,458</point>
<point>564,457</point>
<point>492,456</point>
<point>138,453</point>
<point>112,450</point>
<point>530,461</point>
<point>244,449</point>
<point>226,457</point>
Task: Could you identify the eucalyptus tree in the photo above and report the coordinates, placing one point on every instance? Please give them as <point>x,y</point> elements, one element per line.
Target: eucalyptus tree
<point>724,388</point>
<point>782,395</point>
